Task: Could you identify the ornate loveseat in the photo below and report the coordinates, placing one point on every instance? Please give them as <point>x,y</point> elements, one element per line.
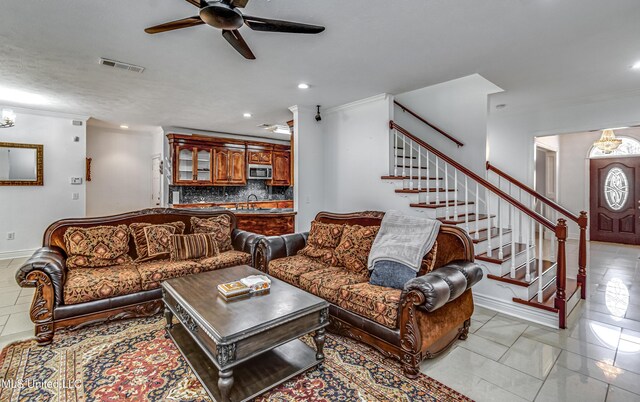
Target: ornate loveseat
<point>75,297</point>
<point>417,322</point>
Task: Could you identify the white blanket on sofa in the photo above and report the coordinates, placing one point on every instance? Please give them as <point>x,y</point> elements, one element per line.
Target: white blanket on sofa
<point>404,239</point>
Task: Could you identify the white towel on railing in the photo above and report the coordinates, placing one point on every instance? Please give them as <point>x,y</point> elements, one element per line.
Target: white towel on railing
<point>404,239</point>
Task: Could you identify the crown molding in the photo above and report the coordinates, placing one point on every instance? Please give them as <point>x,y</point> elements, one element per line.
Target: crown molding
<point>47,113</point>
<point>357,103</point>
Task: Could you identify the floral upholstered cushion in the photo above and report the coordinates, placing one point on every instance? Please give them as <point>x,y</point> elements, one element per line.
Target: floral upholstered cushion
<point>322,241</point>
<point>98,246</point>
<point>326,282</point>
<point>355,245</point>
<point>224,260</point>
<point>153,241</point>
<point>376,303</point>
<point>289,269</point>
<point>88,284</point>
<point>429,260</point>
<point>219,226</point>
<point>153,272</point>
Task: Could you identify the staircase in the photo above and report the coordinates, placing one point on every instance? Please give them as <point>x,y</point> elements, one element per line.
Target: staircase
<point>523,252</point>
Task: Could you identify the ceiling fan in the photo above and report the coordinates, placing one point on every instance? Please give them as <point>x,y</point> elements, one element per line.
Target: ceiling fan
<point>224,14</point>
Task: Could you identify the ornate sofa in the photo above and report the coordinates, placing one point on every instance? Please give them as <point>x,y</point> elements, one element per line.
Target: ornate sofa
<point>76,297</point>
<point>412,324</point>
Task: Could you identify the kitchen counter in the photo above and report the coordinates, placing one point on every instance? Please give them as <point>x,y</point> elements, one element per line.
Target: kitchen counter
<point>266,221</point>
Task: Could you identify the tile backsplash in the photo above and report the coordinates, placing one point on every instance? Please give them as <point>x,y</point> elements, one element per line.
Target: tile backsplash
<point>223,194</point>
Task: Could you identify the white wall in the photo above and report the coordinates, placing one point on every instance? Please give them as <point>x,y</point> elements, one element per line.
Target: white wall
<point>458,107</point>
<point>120,169</point>
<point>28,210</point>
<point>309,166</point>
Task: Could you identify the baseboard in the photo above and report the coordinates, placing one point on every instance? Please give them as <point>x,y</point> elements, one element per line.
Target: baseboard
<point>5,255</point>
<point>516,310</point>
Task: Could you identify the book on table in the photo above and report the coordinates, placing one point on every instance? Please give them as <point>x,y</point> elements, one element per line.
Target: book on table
<point>245,286</point>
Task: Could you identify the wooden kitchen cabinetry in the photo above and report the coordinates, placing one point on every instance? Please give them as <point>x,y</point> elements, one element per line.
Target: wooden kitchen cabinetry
<point>259,157</point>
<point>281,169</point>
<point>230,167</point>
<point>192,165</point>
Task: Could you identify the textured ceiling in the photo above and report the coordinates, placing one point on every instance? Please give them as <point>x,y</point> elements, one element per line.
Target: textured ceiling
<point>537,50</point>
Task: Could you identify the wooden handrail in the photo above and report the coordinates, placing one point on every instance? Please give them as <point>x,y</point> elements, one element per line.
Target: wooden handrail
<point>534,193</point>
<point>534,215</point>
<point>438,129</point>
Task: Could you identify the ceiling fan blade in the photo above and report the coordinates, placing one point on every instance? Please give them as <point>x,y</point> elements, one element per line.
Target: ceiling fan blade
<point>239,3</point>
<point>269,25</point>
<point>179,24</point>
<point>195,2</point>
<point>235,39</point>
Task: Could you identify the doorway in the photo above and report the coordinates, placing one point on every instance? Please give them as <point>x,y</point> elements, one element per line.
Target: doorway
<point>545,178</point>
<point>614,199</point>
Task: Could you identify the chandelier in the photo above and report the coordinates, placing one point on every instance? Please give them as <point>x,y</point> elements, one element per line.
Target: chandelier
<point>8,118</point>
<point>607,142</point>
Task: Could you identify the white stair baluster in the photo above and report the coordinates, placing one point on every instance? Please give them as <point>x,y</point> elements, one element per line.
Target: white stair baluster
<point>446,188</point>
<point>488,202</point>
<point>520,215</point>
<point>527,241</point>
<point>511,223</point>
<point>395,152</point>
<point>512,211</point>
<point>552,238</point>
<point>540,231</point>
<point>500,224</point>
<point>437,181</point>
<point>477,233</point>
<point>466,203</point>
<point>428,186</point>
<point>411,166</point>
<point>419,172</point>
<point>404,159</point>
<point>455,187</point>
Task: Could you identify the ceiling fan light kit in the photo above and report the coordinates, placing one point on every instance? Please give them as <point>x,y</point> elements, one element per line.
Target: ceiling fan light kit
<point>225,15</point>
<point>8,118</point>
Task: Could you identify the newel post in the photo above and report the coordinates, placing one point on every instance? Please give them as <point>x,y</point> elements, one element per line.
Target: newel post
<point>582,254</point>
<point>560,301</point>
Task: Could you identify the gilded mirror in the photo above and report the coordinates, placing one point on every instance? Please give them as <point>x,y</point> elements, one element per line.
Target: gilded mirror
<point>21,164</point>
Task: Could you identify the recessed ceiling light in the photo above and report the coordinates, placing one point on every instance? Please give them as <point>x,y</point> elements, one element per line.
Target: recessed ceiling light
<point>18,96</point>
<point>303,86</point>
<point>124,126</point>
<point>247,115</point>
<point>636,66</point>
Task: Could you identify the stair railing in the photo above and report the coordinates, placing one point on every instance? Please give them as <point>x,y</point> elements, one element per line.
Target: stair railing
<point>425,121</point>
<point>419,156</point>
<point>581,220</point>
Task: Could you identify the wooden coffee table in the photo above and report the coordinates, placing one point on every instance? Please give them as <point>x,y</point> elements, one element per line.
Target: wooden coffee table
<point>244,347</point>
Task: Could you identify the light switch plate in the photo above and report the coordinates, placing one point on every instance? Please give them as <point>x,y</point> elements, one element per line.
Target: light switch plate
<point>76,180</point>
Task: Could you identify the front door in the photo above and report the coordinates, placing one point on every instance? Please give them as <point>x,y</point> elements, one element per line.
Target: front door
<point>615,200</point>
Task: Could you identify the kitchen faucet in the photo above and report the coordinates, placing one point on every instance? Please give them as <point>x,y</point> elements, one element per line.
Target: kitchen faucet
<point>249,198</point>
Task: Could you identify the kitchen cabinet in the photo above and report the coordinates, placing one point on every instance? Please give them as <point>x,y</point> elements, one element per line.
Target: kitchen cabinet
<point>259,157</point>
<point>281,175</point>
<point>192,165</point>
<point>230,167</point>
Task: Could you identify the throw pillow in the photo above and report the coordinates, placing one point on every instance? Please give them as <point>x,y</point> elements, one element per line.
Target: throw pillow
<point>355,245</point>
<point>429,260</point>
<point>322,241</point>
<point>98,246</point>
<point>391,274</point>
<point>219,226</point>
<point>193,246</point>
<point>152,241</point>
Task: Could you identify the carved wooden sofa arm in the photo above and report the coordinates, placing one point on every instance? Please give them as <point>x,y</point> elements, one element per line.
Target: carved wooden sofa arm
<point>274,247</point>
<point>45,271</point>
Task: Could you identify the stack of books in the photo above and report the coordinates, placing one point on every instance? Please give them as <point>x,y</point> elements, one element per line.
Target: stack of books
<point>245,286</point>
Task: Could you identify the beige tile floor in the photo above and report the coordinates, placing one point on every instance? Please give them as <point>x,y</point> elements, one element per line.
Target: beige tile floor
<point>504,359</point>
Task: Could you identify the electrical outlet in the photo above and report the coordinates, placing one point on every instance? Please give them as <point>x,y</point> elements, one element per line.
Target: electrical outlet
<point>11,235</point>
<point>75,196</point>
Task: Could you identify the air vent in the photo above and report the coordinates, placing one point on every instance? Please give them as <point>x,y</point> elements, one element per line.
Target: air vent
<point>120,65</point>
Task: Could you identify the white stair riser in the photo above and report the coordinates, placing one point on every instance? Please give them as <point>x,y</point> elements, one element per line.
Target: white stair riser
<point>506,239</point>
<point>505,267</point>
<point>482,224</point>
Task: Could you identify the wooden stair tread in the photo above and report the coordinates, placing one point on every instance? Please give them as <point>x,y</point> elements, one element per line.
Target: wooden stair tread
<point>416,191</point>
<point>455,220</point>
<point>410,177</point>
<point>521,273</point>
<point>549,295</point>
<point>482,234</point>
<point>506,253</point>
<point>433,205</point>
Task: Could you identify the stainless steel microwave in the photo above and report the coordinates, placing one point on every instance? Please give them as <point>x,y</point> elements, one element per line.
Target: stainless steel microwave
<point>262,172</point>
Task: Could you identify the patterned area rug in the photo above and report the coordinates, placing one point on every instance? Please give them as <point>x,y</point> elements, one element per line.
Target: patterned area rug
<point>133,361</point>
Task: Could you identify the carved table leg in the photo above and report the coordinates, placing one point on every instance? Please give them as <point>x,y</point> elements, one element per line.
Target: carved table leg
<point>319,339</point>
<point>225,382</point>
<point>168,315</point>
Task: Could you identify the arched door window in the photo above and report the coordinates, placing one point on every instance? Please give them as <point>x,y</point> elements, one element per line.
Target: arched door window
<point>629,146</point>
